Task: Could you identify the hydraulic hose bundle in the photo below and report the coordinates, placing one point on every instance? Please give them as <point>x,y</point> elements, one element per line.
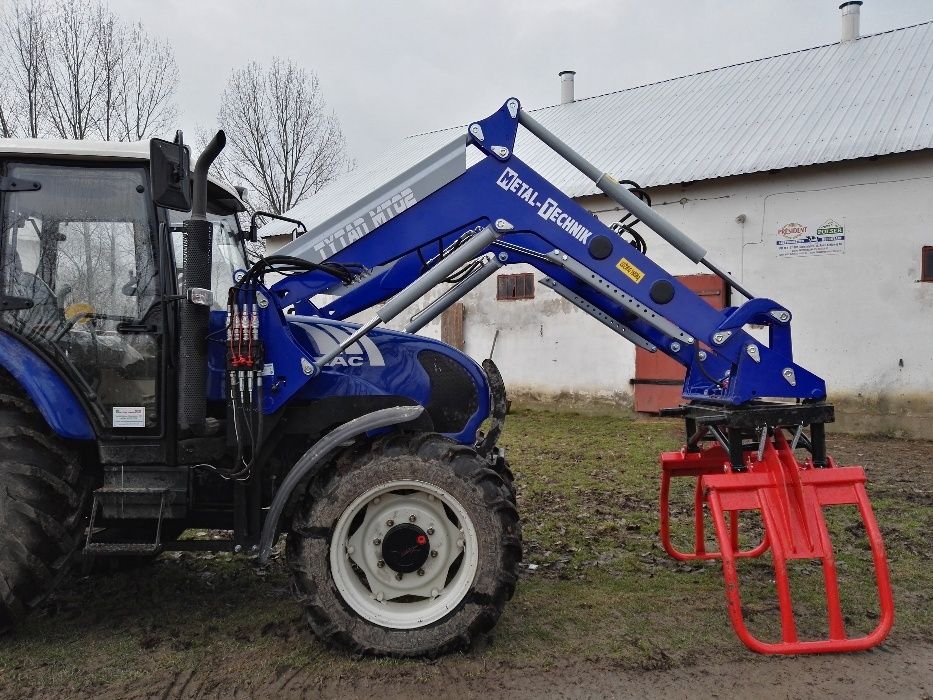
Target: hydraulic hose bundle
<point>245,351</point>
<point>244,374</point>
<point>627,223</point>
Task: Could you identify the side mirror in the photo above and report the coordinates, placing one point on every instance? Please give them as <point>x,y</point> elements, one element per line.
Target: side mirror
<point>170,174</point>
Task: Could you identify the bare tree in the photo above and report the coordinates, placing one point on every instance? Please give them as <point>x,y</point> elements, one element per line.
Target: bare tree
<point>282,142</point>
<point>74,75</point>
<point>149,75</point>
<point>22,63</point>
<point>75,70</point>
<point>7,107</point>
<point>111,57</point>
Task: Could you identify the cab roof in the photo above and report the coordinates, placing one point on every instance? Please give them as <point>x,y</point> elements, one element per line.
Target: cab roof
<point>74,149</point>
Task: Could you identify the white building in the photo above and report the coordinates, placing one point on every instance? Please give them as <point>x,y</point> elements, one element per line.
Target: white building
<point>751,160</point>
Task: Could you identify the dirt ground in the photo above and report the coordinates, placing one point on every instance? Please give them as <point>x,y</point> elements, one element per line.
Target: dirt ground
<point>888,672</point>
<point>601,611</point>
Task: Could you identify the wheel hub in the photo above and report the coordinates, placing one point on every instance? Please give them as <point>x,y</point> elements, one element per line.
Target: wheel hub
<point>405,548</point>
<point>407,526</point>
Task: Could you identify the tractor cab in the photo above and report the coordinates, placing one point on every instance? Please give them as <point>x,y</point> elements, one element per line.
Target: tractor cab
<point>84,270</point>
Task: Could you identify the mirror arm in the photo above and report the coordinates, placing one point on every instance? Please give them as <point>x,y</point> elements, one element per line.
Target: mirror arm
<point>253,227</point>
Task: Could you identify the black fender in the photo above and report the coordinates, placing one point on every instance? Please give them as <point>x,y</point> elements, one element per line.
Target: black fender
<point>312,461</point>
<point>500,407</point>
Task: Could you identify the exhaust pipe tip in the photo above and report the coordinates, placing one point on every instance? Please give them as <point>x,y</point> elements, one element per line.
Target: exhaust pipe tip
<point>199,179</point>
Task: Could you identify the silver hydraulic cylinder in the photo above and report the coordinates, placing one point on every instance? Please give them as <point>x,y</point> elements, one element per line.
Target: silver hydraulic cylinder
<point>458,291</point>
<point>608,184</point>
<point>452,262</point>
<point>615,191</point>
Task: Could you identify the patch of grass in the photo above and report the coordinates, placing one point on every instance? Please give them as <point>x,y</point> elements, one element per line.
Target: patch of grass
<point>596,585</point>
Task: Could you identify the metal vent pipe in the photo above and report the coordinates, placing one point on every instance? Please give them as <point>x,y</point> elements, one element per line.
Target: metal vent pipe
<point>851,16</point>
<point>566,86</point>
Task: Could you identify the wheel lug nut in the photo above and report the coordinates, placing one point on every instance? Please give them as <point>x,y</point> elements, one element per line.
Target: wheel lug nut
<point>390,523</point>
<point>433,553</point>
<point>377,542</point>
<point>421,572</point>
<point>398,576</point>
<point>430,530</point>
<point>412,518</point>
<point>380,563</point>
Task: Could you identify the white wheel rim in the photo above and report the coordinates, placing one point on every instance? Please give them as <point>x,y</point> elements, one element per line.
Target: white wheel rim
<point>419,598</point>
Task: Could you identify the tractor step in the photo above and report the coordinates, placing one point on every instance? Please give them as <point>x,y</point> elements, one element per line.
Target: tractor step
<point>139,491</point>
<point>123,548</point>
<point>790,497</point>
<point>101,496</point>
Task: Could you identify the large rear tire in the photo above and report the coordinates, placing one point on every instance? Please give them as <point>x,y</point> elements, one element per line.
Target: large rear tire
<point>406,547</point>
<point>43,502</point>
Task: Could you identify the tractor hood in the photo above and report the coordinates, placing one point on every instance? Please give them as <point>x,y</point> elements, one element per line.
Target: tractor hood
<point>452,387</point>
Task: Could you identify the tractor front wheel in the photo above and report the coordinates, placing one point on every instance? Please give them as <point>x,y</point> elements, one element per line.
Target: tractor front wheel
<point>407,547</point>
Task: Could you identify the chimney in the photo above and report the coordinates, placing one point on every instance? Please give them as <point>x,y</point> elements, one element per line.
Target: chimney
<point>566,86</point>
<point>850,20</point>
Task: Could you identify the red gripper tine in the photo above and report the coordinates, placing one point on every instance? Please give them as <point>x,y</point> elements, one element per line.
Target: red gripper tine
<point>880,560</point>
<point>833,607</point>
<point>665,529</point>
<point>709,462</point>
<point>791,499</point>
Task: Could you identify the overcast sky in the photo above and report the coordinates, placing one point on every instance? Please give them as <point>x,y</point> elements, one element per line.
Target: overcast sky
<point>391,69</point>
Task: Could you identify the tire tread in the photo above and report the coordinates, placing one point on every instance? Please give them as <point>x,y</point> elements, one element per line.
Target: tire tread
<point>42,507</point>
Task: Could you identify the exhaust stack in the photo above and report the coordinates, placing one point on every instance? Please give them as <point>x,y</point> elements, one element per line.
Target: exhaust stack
<point>194,317</point>
<point>851,16</point>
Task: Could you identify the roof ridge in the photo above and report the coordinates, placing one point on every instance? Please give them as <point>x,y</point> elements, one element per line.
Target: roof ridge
<point>731,65</point>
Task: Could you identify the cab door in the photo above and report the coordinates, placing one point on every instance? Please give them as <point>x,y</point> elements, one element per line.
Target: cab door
<point>81,249</point>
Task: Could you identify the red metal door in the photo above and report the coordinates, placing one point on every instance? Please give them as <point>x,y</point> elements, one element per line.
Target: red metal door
<point>659,380</point>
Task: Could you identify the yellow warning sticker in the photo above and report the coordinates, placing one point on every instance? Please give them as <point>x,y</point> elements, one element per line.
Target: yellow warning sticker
<point>630,271</point>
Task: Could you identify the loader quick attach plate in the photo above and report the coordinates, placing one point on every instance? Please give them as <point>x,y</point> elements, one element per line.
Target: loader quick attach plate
<point>790,495</point>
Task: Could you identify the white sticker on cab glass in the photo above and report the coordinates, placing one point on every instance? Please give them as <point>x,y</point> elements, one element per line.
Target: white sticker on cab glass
<point>129,417</point>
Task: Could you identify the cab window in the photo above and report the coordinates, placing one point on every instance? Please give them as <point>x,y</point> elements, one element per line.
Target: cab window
<point>78,254</point>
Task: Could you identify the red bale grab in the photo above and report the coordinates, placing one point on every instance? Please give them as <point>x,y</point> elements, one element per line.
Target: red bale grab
<point>790,496</point>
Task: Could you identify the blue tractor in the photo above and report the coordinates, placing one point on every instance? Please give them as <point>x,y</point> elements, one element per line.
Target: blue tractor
<point>125,421</point>
<point>154,379</point>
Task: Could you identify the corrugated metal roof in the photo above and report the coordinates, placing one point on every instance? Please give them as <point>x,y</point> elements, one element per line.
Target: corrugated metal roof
<point>849,100</point>
<point>855,99</point>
